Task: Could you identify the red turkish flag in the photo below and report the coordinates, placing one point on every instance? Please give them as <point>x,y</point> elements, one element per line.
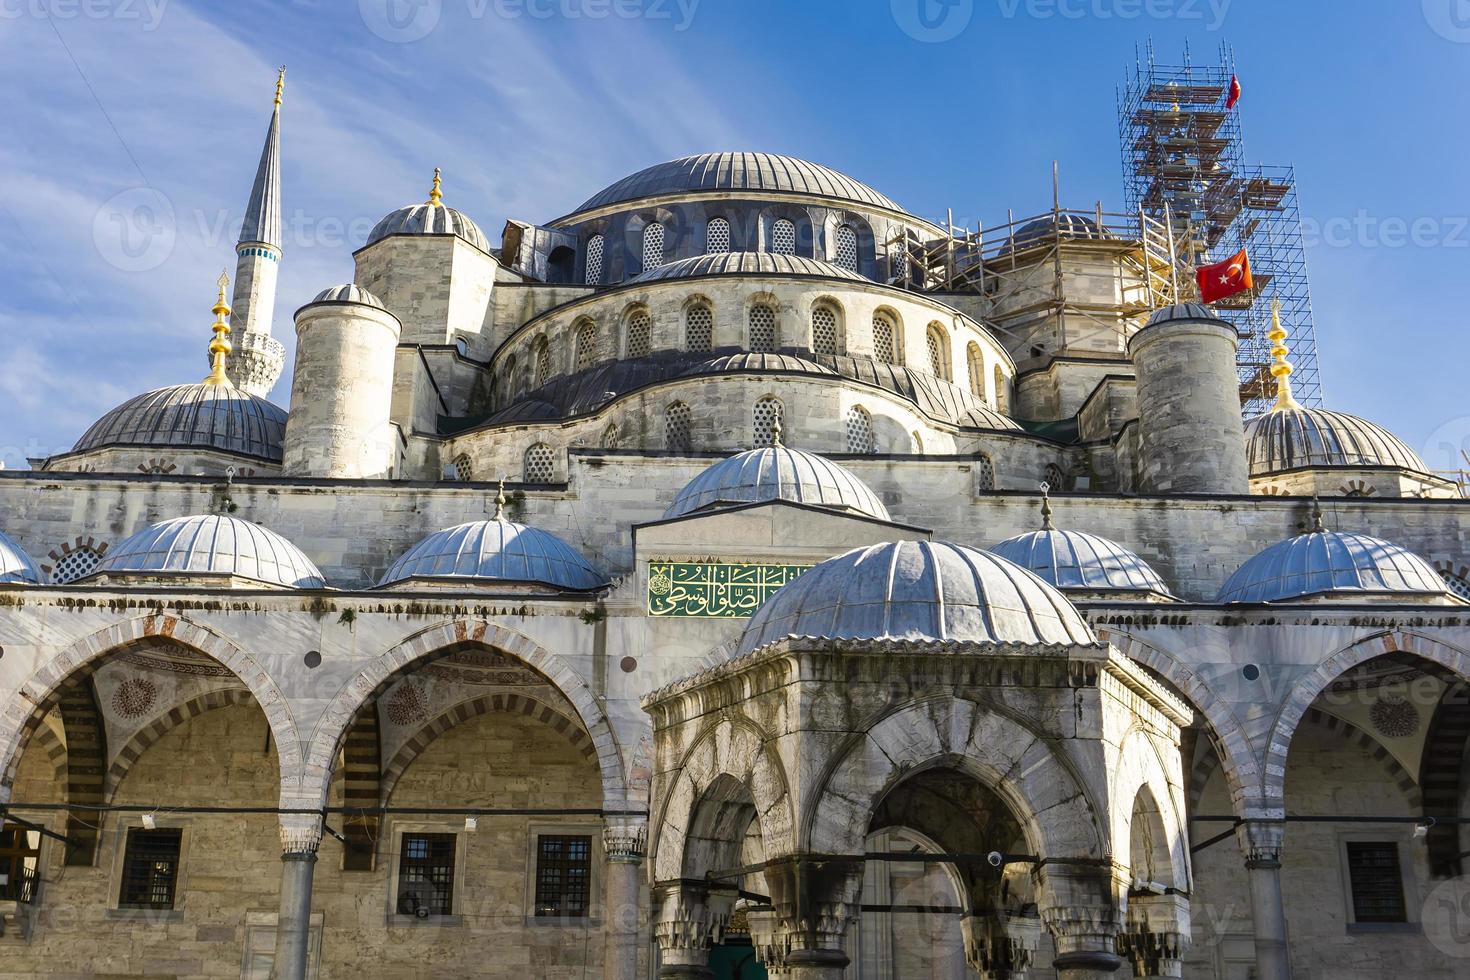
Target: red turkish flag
<point>1234,92</point>
<point>1224,279</point>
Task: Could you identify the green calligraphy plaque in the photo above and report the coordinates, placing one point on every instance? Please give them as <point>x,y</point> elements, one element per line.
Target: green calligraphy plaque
<point>714,590</point>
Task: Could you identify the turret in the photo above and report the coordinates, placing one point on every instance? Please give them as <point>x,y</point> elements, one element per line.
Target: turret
<point>257,359</point>
<point>1191,434</point>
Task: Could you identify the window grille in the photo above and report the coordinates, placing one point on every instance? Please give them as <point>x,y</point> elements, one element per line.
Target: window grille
<point>20,858</point>
<point>426,875</point>
<point>540,464</point>
<point>768,416</point>
<point>563,876</point>
<point>699,328</point>
<point>150,868</point>
<point>859,431</point>
<point>883,340</point>
<point>594,260</point>
<point>824,330</point>
<point>76,564</point>
<point>640,334</point>
<point>977,372</point>
<point>847,248</point>
<point>984,473</point>
<point>542,351</point>
<point>1457,585</point>
<point>653,246</point>
<point>762,328</point>
<point>934,342</point>
<point>717,236</point>
<point>586,344</point>
<point>1055,477</point>
<point>464,470</point>
<point>611,439</point>
<point>783,237</point>
<point>676,426</point>
<point>1377,883</point>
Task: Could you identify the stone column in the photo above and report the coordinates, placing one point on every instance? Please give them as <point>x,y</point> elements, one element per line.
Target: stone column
<point>691,919</point>
<point>301,835</point>
<point>1079,907</point>
<point>625,842</point>
<point>1156,935</point>
<point>1261,841</point>
<point>1000,946</point>
<point>812,902</point>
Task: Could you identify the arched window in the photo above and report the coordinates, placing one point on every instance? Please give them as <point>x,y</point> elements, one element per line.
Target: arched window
<point>984,472</point>
<point>977,370</point>
<point>699,328</point>
<point>762,327</point>
<point>885,346</point>
<point>464,470</point>
<point>783,237</point>
<point>1055,479</point>
<point>824,329</point>
<point>586,344</point>
<point>510,383</point>
<point>717,236</point>
<point>541,358</point>
<point>640,334</point>
<point>594,260</point>
<point>75,563</point>
<point>769,417</point>
<point>653,245</point>
<point>611,439</point>
<point>846,252</point>
<point>937,344</point>
<point>540,464</point>
<point>676,427</point>
<point>1002,398</point>
<point>859,430</point>
<point>1456,584</point>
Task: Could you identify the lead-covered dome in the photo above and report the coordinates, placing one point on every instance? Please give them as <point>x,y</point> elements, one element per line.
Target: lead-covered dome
<point>496,551</point>
<point>1335,563</point>
<point>216,417</point>
<point>745,263</point>
<point>16,566</point>
<point>765,173</point>
<point>209,544</point>
<point>918,590</point>
<point>1076,560</point>
<point>349,292</point>
<point>1063,225</point>
<point>429,219</point>
<point>777,473</point>
<point>1296,438</point>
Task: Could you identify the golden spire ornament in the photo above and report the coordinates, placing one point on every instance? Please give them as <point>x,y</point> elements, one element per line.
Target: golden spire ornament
<point>220,347</point>
<point>280,85</point>
<point>436,196</point>
<point>500,501</point>
<point>1280,368</point>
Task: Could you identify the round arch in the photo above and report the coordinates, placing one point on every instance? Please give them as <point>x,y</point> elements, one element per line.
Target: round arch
<point>150,733</point>
<point>1140,783</point>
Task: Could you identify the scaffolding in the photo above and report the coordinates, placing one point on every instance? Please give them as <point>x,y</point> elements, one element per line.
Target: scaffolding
<point>1183,163</point>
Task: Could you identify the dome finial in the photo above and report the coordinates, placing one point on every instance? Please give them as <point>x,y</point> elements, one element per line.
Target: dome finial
<point>1281,368</point>
<point>500,501</point>
<point>219,347</point>
<point>776,432</point>
<point>280,85</point>
<point>1046,524</point>
<point>1317,526</point>
<point>436,196</point>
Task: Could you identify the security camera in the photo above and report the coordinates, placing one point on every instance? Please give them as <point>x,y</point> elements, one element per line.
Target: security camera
<point>995,859</point>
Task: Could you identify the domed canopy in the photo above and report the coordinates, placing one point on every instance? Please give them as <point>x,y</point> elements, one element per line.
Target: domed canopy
<point>208,544</point>
<point>764,173</point>
<point>15,565</point>
<point>745,263</point>
<point>497,550</point>
<point>348,293</point>
<point>1077,560</point>
<point>216,417</point>
<point>1293,438</point>
<point>777,473</point>
<point>429,219</point>
<point>1332,563</point>
<point>918,590</point>
<point>1063,225</point>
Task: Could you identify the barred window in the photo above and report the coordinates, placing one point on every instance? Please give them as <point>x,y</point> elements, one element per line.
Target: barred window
<point>769,417</point>
<point>699,328</point>
<point>783,237</point>
<point>984,472</point>
<point>977,371</point>
<point>426,875</point>
<point>938,347</point>
<point>464,470</point>
<point>824,330</point>
<point>640,334</point>
<point>511,383</point>
<point>859,430</point>
<point>586,344</point>
<point>563,876</point>
<point>762,328</point>
<point>75,564</point>
<point>540,464</point>
<point>653,246</point>
<point>717,236</point>
<point>676,427</point>
<point>1456,585</point>
<point>150,868</point>
<point>884,347</point>
<point>1002,400</point>
<point>1376,881</point>
<point>20,860</point>
<point>541,355</point>
<point>1054,477</point>
<point>594,260</point>
<point>846,254</point>
<point>611,438</point>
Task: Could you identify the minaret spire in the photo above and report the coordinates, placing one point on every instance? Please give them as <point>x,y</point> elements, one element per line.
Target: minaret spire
<point>1281,368</point>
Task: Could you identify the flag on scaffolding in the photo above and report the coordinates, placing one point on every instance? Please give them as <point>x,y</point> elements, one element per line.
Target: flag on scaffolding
<point>1234,92</point>
<point>1225,279</point>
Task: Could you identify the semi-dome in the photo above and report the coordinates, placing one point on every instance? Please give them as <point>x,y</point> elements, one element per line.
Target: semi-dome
<point>217,417</point>
<point>761,173</point>
<point>433,217</point>
<point>497,550</point>
<point>349,292</point>
<point>16,566</point>
<point>1335,563</point>
<point>1293,438</point>
<point>209,544</point>
<point>745,263</point>
<point>1081,561</point>
<point>777,473</point>
<point>918,590</point>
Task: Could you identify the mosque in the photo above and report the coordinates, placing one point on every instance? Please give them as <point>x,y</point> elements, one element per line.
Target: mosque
<point>733,577</point>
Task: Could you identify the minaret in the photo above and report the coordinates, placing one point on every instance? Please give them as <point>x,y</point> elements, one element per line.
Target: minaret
<point>258,358</point>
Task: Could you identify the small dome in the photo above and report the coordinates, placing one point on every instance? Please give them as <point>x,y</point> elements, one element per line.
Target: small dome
<point>745,264</point>
<point>497,550</point>
<point>1183,311</point>
<point>214,545</point>
<point>15,565</point>
<point>1064,225</point>
<point>980,417</point>
<point>777,473</point>
<point>429,219</point>
<point>1293,438</point>
<point>349,293</point>
<point>1077,560</point>
<point>1332,562</point>
<point>197,416</point>
<point>918,590</point>
<point>758,361</point>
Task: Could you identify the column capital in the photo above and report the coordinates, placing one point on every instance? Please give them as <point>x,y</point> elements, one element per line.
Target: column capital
<point>813,899</point>
<point>1156,935</point>
<point>625,839</point>
<point>1261,842</point>
<point>999,946</point>
<point>691,918</point>
<point>301,833</point>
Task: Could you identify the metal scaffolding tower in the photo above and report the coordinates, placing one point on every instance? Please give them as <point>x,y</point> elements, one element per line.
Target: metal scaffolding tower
<point>1184,157</point>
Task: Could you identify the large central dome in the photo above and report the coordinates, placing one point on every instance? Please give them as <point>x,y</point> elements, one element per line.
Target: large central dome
<point>715,172</point>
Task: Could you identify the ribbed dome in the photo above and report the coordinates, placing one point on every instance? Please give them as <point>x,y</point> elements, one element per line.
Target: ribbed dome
<point>759,172</point>
<point>197,416</point>
<point>1182,311</point>
<point>429,219</point>
<point>777,473</point>
<point>348,293</point>
<point>208,544</point>
<point>1331,562</point>
<point>15,565</point>
<point>1077,560</point>
<point>980,417</point>
<point>918,590</point>
<point>497,550</point>
<point>1064,225</point>
<point>1300,437</point>
<point>745,263</point>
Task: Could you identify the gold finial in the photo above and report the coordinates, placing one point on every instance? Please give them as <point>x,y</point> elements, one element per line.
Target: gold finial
<point>219,347</point>
<point>776,432</point>
<point>436,197</point>
<point>1046,524</point>
<point>500,501</point>
<point>280,85</point>
<point>1281,368</point>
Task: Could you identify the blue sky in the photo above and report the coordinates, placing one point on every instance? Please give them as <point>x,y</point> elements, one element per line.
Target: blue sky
<point>532,105</point>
